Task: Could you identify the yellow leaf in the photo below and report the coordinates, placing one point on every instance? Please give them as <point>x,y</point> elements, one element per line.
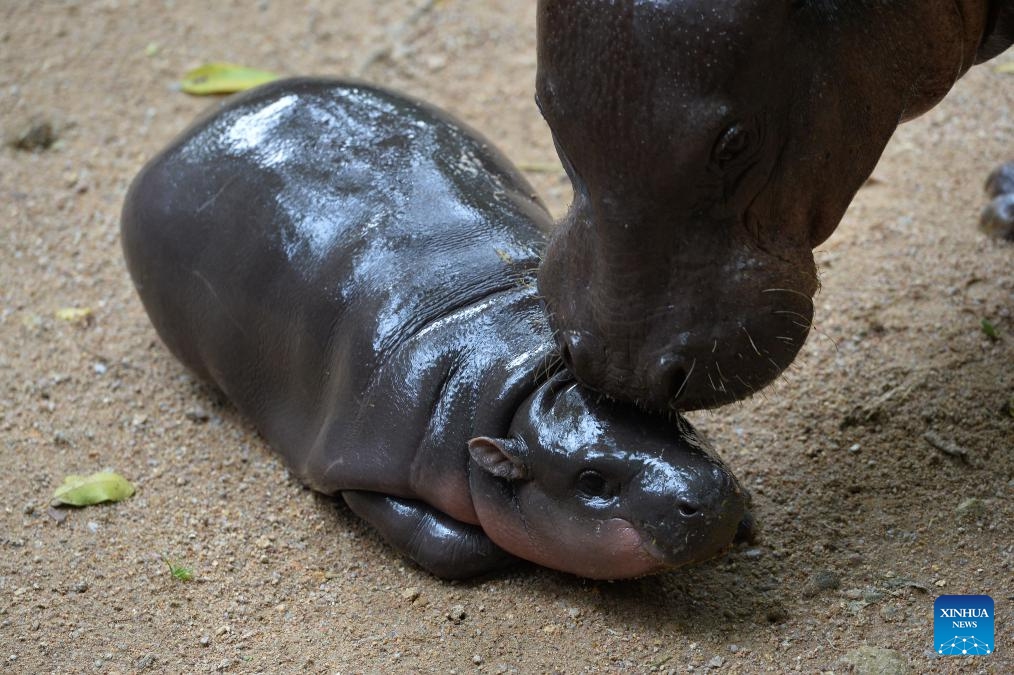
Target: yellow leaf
<point>223,78</point>
<point>1005,68</point>
<point>104,486</point>
<point>74,314</point>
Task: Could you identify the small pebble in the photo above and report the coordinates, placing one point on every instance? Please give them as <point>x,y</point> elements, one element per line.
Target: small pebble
<point>205,640</point>
<point>477,660</point>
<point>35,133</point>
<point>997,219</point>
<point>890,613</point>
<point>971,508</point>
<point>145,662</point>
<point>777,615</point>
<point>716,662</point>
<point>411,594</point>
<point>456,614</point>
<point>824,580</point>
<point>197,415</point>
<point>80,587</point>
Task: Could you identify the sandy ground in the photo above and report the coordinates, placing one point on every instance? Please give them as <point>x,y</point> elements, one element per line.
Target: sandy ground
<point>864,521</point>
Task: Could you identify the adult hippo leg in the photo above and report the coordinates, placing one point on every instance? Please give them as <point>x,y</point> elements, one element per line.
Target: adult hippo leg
<point>438,543</point>
<point>998,216</point>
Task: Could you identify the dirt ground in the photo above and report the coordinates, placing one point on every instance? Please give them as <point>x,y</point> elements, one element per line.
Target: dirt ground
<point>865,521</point>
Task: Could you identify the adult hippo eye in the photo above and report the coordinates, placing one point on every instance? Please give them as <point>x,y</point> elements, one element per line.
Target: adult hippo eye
<point>593,485</point>
<point>733,142</point>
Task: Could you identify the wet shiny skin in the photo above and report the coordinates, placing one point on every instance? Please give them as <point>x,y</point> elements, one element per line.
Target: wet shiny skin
<point>355,271</point>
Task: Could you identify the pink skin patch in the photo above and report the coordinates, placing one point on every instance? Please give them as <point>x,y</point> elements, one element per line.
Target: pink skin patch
<point>613,550</point>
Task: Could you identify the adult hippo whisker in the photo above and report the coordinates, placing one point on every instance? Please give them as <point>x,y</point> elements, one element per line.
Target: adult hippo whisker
<point>749,388</point>
<point>685,380</point>
<point>789,290</point>
<point>808,321</point>
<point>752,343</point>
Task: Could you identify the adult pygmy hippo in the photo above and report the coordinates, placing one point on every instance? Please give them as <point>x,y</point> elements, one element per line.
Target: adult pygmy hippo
<point>355,271</point>
<point>712,146</point>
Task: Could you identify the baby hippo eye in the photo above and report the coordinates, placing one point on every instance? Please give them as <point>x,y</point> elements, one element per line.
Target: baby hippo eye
<point>732,143</point>
<point>592,484</point>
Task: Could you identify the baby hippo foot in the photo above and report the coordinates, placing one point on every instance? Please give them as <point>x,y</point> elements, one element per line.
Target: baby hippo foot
<point>998,217</point>
<point>441,545</point>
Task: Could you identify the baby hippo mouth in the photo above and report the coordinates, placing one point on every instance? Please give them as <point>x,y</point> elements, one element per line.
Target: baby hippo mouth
<point>693,534</point>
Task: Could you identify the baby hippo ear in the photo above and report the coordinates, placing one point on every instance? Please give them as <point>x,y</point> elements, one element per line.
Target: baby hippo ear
<point>502,457</point>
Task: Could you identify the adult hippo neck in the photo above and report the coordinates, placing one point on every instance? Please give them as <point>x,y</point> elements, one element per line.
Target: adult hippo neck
<point>711,147</point>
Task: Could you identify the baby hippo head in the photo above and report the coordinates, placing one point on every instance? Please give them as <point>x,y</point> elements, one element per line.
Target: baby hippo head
<point>602,490</point>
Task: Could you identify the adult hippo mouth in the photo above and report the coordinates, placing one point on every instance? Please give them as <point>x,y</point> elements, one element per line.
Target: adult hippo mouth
<point>711,147</point>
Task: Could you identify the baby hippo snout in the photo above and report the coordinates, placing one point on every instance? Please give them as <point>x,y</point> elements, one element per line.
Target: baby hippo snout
<point>692,511</point>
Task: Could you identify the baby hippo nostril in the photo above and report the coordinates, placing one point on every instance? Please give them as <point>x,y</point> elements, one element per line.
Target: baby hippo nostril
<point>688,509</point>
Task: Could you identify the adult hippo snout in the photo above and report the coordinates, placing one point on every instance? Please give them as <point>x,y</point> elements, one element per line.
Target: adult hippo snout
<point>712,146</point>
<point>740,321</point>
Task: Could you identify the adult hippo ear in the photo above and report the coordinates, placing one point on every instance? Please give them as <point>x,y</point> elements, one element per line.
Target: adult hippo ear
<point>712,146</point>
<point>500,457</point>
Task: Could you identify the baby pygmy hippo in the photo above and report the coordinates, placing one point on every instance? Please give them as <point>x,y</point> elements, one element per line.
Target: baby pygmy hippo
<point>355,271</point>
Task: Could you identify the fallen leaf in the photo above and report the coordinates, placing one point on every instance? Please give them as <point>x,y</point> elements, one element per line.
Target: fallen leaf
<point>75,314</point>
<point>990,330</point>
<point>223,78</point>
<point>1005,68</point>
<point>104,486</point>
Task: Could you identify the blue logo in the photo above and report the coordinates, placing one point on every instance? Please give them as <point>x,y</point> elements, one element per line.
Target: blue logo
<point>963,625</point>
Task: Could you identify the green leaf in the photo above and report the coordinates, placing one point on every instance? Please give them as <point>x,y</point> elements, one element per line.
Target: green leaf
<point>990,330</point>
<point>1005,68</point>
<point>104,486</point>
<point>223,78</point>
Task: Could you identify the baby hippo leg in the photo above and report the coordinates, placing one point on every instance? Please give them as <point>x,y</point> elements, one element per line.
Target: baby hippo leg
<point>438,543</point>
<point>998,217</point>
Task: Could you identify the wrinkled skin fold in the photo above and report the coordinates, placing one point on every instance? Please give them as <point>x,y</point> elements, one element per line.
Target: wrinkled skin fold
<point>712,146</point>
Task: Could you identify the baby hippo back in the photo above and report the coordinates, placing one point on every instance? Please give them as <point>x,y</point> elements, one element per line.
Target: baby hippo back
<point>292,240</point>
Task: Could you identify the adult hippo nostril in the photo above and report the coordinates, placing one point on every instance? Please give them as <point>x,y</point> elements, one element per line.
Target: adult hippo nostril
<point>579,351</point>
<point>718,362</point>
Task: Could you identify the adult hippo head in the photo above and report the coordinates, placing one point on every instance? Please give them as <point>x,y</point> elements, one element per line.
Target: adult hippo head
<point>712,146</point>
